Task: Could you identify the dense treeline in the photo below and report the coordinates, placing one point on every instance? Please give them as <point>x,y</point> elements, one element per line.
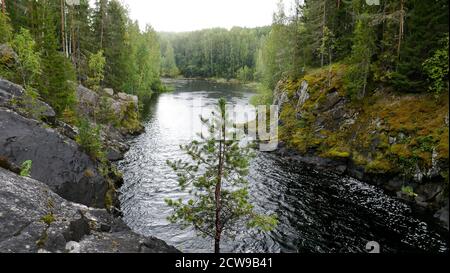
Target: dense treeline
<point>399,43</point>
<point>59,43</point>
<point>217,52</point>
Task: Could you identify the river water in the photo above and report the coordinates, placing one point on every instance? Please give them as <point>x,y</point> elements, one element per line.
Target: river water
<point>317,211</point>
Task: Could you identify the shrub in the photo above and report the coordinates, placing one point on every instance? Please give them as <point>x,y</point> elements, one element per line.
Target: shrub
<point>436,69</point>
<point>408,190</point>
<point>245,74</point>
<point>5,28</point>
<point>90,140</point>
<point>26,168</point>
<point>96,65</point>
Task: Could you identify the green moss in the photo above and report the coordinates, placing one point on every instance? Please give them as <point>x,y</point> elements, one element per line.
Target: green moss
<point>359,159</point>
<point>336,153</point>
<point>48,219</point>
<point>42,240</point>
<point>89,173</point>
<point>379,166</point>
<point>392,132</point>
<point>401,150</point>
<point>442,147</point>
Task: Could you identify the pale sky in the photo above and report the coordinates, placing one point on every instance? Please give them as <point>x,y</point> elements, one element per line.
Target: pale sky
<point>189,15</point>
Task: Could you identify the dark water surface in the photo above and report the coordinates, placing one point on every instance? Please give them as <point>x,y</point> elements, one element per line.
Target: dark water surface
<point>318,212</point>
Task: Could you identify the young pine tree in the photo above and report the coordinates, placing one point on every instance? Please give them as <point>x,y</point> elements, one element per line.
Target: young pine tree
<point>57,86</point>
<point>5,28</point>
<point>96,67</point>
<point>215,176</point>
<point>362,52</point>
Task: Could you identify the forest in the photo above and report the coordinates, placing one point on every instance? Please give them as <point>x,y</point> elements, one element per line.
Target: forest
<point>360,154</point>
<point>60,44</point>
<point>216,53</point>
<point>399,43</point>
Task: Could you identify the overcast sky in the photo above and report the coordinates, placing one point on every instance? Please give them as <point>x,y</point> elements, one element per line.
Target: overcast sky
<point>188,15</point>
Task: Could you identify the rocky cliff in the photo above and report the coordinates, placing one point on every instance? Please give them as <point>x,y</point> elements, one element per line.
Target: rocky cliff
<point>66,203</point>
<point>394,140</point>
<point>35,219</point>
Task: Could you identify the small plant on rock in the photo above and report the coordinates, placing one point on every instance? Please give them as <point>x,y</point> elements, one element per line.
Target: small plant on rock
<point>26,168</point>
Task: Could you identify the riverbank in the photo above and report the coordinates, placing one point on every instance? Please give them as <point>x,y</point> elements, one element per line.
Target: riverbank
<point>253,85</point>
<point>396,141</point>
<point>319,211</point>
<point>69,202</point>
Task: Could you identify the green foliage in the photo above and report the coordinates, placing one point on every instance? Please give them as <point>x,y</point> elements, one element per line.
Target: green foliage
<point>25,169</point>
<point>48,219</point>
<point>30,105</point>
<point>409,191</point>
<point>58,86</point>
<point>29,67</point>
<point>130,121</point>
<point>96,66</point>
<point>5,29</point>
<point>263,97</point>
<point>245,74</point>
<point>362,52</point>
<point>168,65</point>
<point>436,68</point>
<point>215,177</point>
<point>213,53</point>
<point>103,113</point>
<point>426,23</point>
<point>90,140</point>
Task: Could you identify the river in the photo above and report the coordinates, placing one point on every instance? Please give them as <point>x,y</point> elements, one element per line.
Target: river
<point>317,211</point>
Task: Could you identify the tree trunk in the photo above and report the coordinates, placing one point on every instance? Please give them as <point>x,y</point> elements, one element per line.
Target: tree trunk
<point>218,202</point>
<point>4,6</point>
<point>63,31</point>
<point>322,61</point>
<point>218,190</point>
<point>401,27</point>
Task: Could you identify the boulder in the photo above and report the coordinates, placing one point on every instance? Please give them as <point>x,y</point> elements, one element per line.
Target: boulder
<point>114,155</point>
<point>9,90</point>
<point>127,97</point>
<point>57,160</point>
<point>36,220</point>
<point>87,101</point>
<point>109,91</point>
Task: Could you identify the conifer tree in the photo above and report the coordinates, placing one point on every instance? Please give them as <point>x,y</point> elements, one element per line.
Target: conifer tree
<point>362,52</point>
<point>216,178</point>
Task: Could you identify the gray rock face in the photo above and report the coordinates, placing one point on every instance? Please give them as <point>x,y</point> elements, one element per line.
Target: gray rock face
<point>443,216</point>
<point>35,219</point>
<point>280,96</point>
<point>127,97</point>
<point>302,95</point>
<point>87,100</point>
<point>57,160</point>
<point>10,91</point>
